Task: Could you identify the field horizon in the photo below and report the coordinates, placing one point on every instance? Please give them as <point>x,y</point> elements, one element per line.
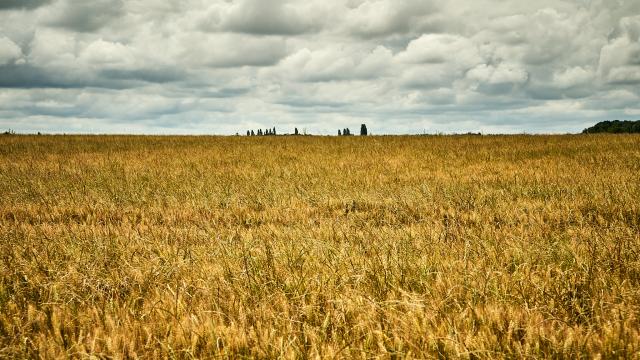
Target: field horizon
<point>287,134</point>
<point>385,246</point>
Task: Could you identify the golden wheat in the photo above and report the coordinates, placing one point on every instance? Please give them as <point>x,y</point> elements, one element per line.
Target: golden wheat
<point>320,247</point>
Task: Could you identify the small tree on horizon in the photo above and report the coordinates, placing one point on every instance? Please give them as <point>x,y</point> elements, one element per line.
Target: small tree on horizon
<point>339,132</point>
<point>296,131</point>
<point>363,130</point>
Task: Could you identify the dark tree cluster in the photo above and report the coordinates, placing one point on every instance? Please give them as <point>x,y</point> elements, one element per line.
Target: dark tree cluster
<point>614,127</point>
<point>260,132</point>
<point>347,132</point>
<point>269,132</point>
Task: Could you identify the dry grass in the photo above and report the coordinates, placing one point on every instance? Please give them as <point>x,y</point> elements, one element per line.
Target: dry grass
<point>310,247</point>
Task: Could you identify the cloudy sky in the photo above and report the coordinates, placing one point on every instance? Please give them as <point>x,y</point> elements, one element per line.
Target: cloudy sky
<point>400,66</point>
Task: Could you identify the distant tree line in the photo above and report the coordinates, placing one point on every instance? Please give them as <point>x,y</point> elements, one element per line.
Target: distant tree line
<point>614,127</point>
<point>265,132</point>
<point>12,132</point>
<point>271,132</point>
<point>347,132</point>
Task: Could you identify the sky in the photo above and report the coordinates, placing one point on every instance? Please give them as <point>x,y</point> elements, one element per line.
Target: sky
<point>399,66</point>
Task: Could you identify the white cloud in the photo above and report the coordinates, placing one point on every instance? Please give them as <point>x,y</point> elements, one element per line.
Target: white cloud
<point>9,51</point>
<point>500,74</point>
<point>229,50</point>
<point>573,76</point>
<point>374,18</point>
<point>437,60</point>
<point>631,27</point>
<point>53,48</point>
<point>337,63</point>
<point>441,48</point>
<point>109,54</point>
<point>543,37</point>
<point>620,58</point>
<point>428,76</point>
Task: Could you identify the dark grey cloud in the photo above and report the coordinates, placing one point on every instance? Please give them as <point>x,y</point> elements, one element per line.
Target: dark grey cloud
<point>267,17</point>
<point>548,92</point>
<point>151,75</point>
<point>84,16</point>
<point>399,65</point>
<point>28,76</point>
<point>224,93</point>
<point>22,4</point>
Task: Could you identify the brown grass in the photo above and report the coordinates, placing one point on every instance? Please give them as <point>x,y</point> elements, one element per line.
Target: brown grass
<point>316,247</point>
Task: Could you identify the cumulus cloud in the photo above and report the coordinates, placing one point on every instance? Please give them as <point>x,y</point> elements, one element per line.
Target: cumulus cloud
<point>378,18</point>
<point>572,77</point>
<point>52,48</point>
<point>109,54</point>
<point>436,60</point>
<point>59,59</point>
<point>501,74</point>
<point>620,58</point>
<point>197,66</point>
<point>337,63</point>
<point>441,48</point>
<point>9,51</point>
<point>230,50</point>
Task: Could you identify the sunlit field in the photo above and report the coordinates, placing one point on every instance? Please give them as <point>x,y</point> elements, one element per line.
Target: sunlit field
<point>320,247</point>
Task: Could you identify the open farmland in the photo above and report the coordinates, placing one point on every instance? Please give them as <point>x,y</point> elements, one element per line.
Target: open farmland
<point>320,247</point>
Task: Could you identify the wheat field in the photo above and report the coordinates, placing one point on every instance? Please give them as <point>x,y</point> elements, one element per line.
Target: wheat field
<point>320,247</point>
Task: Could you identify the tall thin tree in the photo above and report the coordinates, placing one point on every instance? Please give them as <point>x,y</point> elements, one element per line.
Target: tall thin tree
<point>363,130</point>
